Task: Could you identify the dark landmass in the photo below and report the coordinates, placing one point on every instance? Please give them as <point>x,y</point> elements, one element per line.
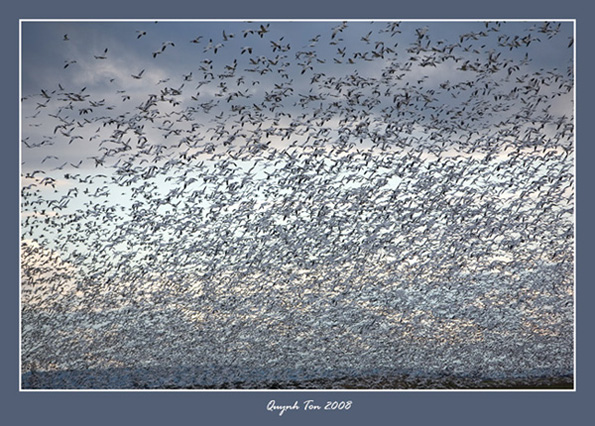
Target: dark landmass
<point>157,378</point>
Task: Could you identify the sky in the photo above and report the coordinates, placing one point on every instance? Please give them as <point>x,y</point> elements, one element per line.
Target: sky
<point>412,180</point>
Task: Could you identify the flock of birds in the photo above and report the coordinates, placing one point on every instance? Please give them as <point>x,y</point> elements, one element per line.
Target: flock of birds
<point>368,201</point>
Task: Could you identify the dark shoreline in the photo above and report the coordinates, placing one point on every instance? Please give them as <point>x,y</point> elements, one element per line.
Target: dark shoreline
<point>159,379</point>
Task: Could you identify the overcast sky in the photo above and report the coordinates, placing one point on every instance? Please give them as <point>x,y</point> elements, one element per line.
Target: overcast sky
<point>299,53</point>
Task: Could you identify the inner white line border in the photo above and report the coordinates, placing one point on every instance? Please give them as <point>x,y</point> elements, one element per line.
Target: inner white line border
<point>247,20</point>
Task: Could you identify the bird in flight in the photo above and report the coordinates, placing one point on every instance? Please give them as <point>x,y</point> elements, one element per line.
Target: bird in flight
<point>103,55</point>
<point>139,75</point>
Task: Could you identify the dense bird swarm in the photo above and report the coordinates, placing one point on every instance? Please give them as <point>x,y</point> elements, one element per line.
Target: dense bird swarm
<point>299,204</point>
